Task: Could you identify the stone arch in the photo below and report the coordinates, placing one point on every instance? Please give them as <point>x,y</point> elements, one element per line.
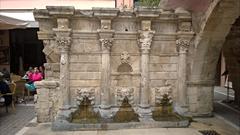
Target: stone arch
<point>204,54</point>
<point>231,53</point>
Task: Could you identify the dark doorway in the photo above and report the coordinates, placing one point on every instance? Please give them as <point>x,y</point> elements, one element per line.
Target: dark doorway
<point>25,50</point>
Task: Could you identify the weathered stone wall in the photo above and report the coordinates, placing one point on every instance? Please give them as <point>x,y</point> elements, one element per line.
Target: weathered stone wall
<point>136,53</point>
<point>107,54</point>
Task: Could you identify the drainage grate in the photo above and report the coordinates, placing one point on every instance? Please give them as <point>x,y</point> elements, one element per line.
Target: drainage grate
<point>209,132</point>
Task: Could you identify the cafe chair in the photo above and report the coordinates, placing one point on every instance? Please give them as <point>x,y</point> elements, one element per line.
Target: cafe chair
<point>12,87</point>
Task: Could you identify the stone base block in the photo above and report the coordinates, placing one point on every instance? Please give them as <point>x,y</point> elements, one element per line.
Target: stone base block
<point>106,113</point>
<point>145,114</point>
<point>66,126</point>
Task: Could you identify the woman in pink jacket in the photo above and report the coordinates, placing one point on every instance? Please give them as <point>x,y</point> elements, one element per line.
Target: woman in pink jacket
<point>35,76</point>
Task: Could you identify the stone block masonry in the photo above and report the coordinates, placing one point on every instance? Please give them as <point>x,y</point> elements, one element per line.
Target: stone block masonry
<point>108,53</point>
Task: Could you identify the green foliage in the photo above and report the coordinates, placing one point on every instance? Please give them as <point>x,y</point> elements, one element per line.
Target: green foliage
<point>149,3</point>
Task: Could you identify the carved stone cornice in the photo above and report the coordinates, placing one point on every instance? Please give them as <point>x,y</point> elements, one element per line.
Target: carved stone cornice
<point>64,43</point>
<point>106,43</point>
<point>145,40</point>
<point>182,45</point>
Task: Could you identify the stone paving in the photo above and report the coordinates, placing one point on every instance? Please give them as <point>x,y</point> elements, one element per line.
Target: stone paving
<point>45,129</point>
<point>12,122</point>
<point>214,123</point>
<point>224,111</point>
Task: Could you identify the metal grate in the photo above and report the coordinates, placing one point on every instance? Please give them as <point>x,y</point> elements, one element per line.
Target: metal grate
<point>209,132</point>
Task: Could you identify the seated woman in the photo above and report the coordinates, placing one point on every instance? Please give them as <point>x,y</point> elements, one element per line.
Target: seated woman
<point>28,74</point>
<point>35,76</point>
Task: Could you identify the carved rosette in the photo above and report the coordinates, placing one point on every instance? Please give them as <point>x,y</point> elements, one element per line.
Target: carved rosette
<point>63,43</point>
<point>125,57</point>
<point>145,40</point>
<point>125,92</point>
<point>84,93</point>
<point>107,43</point>
<point>160,91</point>
<point>182,45</point>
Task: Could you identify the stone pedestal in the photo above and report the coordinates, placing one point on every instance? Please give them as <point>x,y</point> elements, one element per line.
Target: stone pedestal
<point>47,100</point>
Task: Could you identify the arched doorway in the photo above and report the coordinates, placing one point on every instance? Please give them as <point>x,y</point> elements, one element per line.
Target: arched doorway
<point>204,55</point>
<point>231,52</point>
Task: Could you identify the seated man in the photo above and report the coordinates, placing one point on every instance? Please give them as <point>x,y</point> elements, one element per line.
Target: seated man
<point>4,88</point>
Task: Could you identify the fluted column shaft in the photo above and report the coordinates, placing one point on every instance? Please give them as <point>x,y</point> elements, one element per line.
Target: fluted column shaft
<point>145,46</point>
<point>105,73</point>
<point>63,40</point>
<point>182,47</point>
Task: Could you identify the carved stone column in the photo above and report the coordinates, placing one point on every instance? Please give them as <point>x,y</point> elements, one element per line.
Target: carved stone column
<point>182,48</point>
<point>106,40</point>
<point>63,41</point>
<point>184,37</point>
<point>105,72</point>
<point>145,41</point>
<point>64,45</point>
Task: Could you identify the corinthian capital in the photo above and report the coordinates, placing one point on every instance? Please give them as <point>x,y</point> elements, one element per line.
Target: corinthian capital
<point>182,45</point>
<point>146,40</point>
<point>63,42</point>
<point>107,43</point>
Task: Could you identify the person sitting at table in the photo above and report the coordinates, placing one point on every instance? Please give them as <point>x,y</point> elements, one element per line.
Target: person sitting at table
<point>35,76</point>
<point>4,88</point>
<point>28,74</point>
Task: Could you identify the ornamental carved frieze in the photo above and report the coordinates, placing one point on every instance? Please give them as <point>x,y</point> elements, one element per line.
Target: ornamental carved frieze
<point>125,92</point>
<point>85,93</point>
<point>145,40</point>
<point>106,43</point>
<point>185,26</point>
<point>63,43</point>
<point>182,44</point>
<point>47,49</point>
<point>50,51</point>
<point>160,91</point>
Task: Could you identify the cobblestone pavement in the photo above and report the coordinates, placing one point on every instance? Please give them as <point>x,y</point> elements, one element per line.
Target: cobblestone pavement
<point>11,123</point>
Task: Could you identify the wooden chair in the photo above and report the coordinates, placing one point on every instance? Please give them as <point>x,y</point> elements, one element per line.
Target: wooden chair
<point>12,87</point>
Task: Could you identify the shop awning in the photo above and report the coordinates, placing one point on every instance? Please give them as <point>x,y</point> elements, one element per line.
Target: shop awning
<point>11,23</point>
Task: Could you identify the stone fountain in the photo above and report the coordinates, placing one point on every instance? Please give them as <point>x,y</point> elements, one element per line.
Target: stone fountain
<point>105,63</point>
